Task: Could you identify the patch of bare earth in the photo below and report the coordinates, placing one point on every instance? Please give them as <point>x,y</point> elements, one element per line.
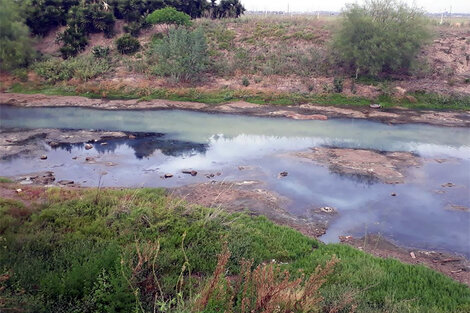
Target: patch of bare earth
<point>248,197</point>
<point>388,167</point>
<point>454,266</point>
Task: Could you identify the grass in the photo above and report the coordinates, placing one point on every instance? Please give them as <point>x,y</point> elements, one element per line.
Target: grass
<point>5,180</point>
<point>114,250</point>
<point>221,96</point>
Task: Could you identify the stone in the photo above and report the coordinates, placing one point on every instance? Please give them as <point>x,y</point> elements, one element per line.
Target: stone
<point>167,175</point>
<point>375,106</point>
<point>192,172</point>
<point>283,174</point>
<point>54,144</point>
<point>89,159</point>
<point>18,190</point>
<point>393,194</point>
<point>43,157</point>
<point>66,182</point>
<point>88,146</point>
<point>448,185</point>
<point>131,137</point>
<point>327,209</point>
<point>74,158</point>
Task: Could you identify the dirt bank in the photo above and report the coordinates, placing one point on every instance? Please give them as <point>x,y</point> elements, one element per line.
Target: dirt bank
<point>302,112</point>
<point>249,197</point>
<point>387,167</point>
<point>451,265</point>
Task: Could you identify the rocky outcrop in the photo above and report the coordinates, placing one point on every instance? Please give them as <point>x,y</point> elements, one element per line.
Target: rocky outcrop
<point>388,167</point>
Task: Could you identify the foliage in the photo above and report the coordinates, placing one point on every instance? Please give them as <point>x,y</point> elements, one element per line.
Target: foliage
<point>338,84</point>
<point>84,20</point>
<point>83,68</point>
<point>126,44</point>
<point>380,37</point>
<point>44,15</point>
<point>182,55</point>
<point>15,44</point>
<point>169,16</point>
<point>98,250</point>
<point>100,51</point>
<point>245,81</point>
<point>227,9</point>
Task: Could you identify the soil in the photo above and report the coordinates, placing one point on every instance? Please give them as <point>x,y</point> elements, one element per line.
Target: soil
<point>32,142</point>
<point>249,197</point>
<point>454,266</point>
<point>305,111</point>
<point>387,167</point>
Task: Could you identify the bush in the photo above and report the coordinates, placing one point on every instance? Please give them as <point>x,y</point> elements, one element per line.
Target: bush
<point>127,44</point>
<point>100,52</point>
<point>170,16</point>
<point>245,82</point>
<point>15,44</point>
<point>382,36</point>
<point>83,68</point>
<point>338,84</point>
<point>73,41</point>
<point>182,55</point>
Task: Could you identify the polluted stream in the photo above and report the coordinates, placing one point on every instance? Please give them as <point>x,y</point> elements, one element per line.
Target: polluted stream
<point>429,210</point>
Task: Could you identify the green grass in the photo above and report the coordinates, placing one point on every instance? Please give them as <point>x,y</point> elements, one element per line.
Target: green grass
<point>5,180</point>
<point>75,251</point>
<point>215,97</point>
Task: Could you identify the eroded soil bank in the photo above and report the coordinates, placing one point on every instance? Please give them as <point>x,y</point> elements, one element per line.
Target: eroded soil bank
<point>301,112</point>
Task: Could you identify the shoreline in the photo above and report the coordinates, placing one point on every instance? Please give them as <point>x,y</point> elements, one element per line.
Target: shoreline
<point>391,116</point>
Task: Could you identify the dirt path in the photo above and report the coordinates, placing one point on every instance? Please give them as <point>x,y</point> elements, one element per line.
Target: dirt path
<point>300,112</point>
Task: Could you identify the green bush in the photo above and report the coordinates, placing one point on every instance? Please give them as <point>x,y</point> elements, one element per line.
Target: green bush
<point>127,44</point>
<point>338,84</point>
<point>245,82</point>
<point>73,42</point>
<point>44,15</point>
<point>380,37</point>
<point>83,68</point>
<point>15,44</point>
<point>100,51</point>
<point>182,55</point>
<point>169,16</point>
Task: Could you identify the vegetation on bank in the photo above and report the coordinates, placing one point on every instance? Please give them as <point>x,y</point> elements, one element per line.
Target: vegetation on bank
<point>420,100</point>
<point>89,250</point>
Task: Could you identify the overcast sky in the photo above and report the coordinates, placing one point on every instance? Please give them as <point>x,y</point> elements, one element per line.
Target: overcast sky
<point>433,6</point>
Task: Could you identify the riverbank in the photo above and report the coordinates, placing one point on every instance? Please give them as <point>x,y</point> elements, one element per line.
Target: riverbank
<point>395,115</point>
<point>95,244</point>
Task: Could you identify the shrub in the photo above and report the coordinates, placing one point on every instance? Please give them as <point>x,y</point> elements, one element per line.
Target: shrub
<point>338,84</point>
<point>170,16</point>
<point>382,36</point>
<point>83,68</point>
<point>15,44</point>
<point>73,41</point>
<point>44,15</point>
<point>100,51</point>
<point>182,55</point>
<point>127,44</point>
<point>245,82</point>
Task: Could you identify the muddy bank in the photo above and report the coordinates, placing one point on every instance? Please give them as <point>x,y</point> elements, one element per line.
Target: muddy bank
<point>387,167</point>
<point>34,142</point>
<point>251,197</point>
<point>301,112</point>
<point>454,266</point>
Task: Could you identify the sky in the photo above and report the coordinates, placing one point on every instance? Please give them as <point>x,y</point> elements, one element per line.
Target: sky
<point>432,6</point>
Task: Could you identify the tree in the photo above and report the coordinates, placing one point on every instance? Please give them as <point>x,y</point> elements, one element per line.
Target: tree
<point>229,9</point>
<point>15,43</point>
<point>169,16</point>
<point>380,37</point>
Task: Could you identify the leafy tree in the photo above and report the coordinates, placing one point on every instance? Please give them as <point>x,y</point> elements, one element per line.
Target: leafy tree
<point>380,37</point>
<point>44,15</point>
<point>229,9</point>
<point>15,43</point>
<point>182,55</point>
<point>169,16</point>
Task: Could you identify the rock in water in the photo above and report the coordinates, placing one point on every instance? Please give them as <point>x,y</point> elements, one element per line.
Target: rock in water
<point>43,157</point>
<point>88,146</point>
